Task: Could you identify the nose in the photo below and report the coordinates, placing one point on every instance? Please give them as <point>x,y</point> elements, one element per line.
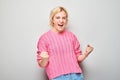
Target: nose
<point>61,20</point>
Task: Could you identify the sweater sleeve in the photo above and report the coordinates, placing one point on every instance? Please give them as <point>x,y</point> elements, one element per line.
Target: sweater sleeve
<point>41,47</point>
<point>77,49</point>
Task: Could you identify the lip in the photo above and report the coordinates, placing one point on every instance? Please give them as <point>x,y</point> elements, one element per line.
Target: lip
<point>61,25</point>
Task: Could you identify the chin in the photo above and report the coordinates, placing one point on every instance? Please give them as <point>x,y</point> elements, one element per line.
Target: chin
<point>61,31</point>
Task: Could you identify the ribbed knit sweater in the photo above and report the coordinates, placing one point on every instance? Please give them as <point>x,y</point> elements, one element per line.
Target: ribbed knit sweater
<point>63,49</point>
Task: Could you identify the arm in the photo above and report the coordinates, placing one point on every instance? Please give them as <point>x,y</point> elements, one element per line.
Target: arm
<point>44,59</point>
<point>81,57</point>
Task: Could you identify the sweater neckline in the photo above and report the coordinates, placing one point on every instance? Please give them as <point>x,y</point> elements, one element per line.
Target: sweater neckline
<point>58,33</point>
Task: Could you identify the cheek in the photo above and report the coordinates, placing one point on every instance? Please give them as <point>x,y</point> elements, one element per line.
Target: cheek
<point>54,21</point>
<point>65,21</point>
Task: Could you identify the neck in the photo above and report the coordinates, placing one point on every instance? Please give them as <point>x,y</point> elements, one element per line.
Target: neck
<point>54,30</point>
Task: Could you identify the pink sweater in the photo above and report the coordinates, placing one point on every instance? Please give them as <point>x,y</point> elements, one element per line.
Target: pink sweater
<point>63,50</point>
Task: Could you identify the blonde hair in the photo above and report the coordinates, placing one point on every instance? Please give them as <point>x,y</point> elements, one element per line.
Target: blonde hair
<point>55,11</point>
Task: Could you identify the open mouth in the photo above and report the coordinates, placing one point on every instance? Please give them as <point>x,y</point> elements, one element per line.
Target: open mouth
<point>61,25</point>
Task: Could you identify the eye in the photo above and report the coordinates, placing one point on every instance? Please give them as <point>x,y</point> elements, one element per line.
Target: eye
<point>64,18</point>
<point>57,17</point>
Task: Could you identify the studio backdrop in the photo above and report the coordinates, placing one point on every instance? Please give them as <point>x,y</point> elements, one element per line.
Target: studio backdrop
<point>94,22</point>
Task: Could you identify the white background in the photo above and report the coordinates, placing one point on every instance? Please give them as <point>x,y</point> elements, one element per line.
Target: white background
<point>95,22</point>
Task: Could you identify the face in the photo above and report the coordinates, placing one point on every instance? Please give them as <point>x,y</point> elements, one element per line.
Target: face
<point>59,21</point>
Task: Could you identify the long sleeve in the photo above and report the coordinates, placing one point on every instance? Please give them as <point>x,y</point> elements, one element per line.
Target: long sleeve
<point>76,44</point>
<point>41,46</point>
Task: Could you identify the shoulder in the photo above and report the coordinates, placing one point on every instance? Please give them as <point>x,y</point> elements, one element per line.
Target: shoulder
<point>70,33</point>
<point>73,36</point>
<point>44,35</point>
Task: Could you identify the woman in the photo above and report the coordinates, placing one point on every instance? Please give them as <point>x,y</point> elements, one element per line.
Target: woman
<point>59,50</point>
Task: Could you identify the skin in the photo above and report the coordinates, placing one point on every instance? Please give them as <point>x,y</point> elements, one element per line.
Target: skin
<point>60,22</point>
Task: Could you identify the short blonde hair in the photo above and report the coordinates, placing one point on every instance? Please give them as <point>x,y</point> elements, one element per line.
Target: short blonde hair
<point>55,11</point>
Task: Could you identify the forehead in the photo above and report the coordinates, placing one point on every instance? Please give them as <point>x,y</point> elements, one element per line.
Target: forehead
<point>62,13</point>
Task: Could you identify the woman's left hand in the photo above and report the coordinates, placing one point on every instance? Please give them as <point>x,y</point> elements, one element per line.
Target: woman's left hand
<point>89,49</point>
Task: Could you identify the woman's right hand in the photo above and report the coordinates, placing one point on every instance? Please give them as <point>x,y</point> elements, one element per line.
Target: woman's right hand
<point>44,59</point>
<point>44,55</point>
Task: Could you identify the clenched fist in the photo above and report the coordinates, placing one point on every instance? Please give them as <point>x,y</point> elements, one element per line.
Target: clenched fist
<point>44,59</point>
<point>89,49</point>
<point>44,55</point>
